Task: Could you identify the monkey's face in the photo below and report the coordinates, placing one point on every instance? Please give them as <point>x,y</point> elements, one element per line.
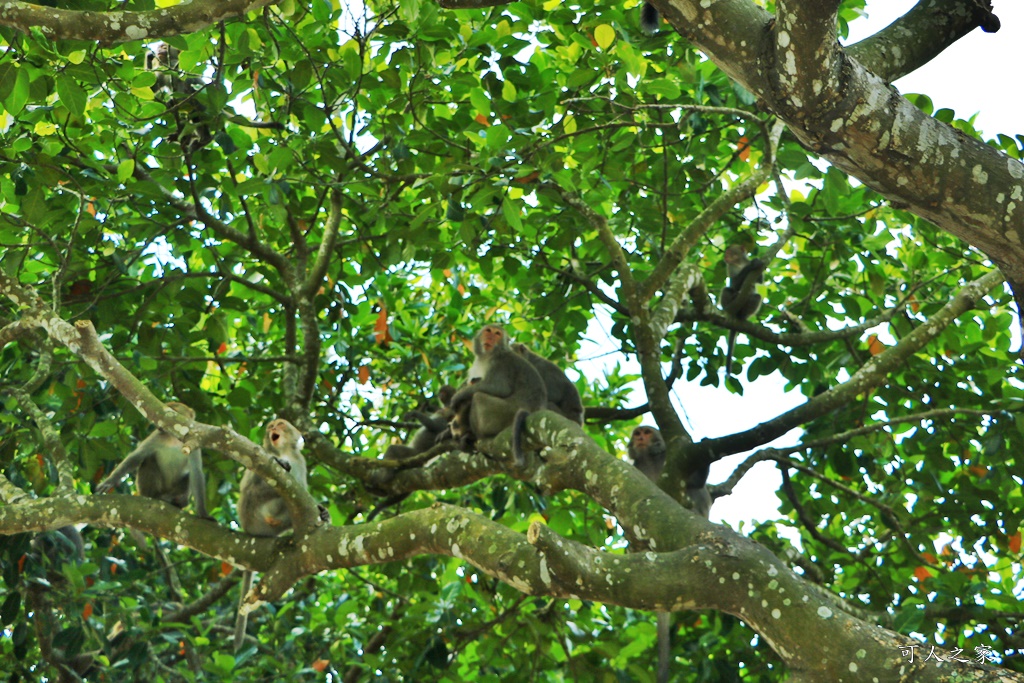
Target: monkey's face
<point>491,337</point>
<point>282,437</point>
<point>733,254</point>
<point>642,437</point>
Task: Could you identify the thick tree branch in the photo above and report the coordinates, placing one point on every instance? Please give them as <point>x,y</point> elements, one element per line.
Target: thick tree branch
<point>111,28</point>
<point>807,51</point>
<point>916,38</point>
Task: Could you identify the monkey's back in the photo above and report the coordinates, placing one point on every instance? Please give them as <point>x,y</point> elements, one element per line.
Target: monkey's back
<point>526,385</point>
<point>166,464</point>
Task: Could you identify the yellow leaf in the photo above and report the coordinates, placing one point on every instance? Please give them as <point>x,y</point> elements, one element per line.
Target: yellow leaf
<point>267,322</point>
<point>77,57</point>
<point>45,128</point>
<point>551,4</point>
<point>604,35</point>
<point>167,3</point>
<point>569,124</point>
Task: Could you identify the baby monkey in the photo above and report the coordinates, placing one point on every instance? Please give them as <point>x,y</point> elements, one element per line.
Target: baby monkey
<point>261,510</point>
<point>164,470</point>
<point>509,389</point>
<point>433,426</point>
<point>733,301</point>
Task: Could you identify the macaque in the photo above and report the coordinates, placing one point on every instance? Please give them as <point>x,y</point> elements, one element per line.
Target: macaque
<point>563,398</point>
<point>164,470</point>
<point>739,269</point>
<point>508,391</point>
<point>434,425</point>
<point>190,115</point>
<point>647,451</point>
<point>261,510</point>
<point>60,545</point>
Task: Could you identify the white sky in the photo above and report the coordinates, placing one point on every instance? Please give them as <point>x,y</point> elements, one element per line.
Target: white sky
<point>976,74</point>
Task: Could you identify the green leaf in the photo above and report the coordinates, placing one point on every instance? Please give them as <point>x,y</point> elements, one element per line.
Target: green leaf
<point>16,90</point>
<point>71,95</point>
<point>480,101</point>
<point>125,169</point>
<point>664,87</point>
<point>10,609</point>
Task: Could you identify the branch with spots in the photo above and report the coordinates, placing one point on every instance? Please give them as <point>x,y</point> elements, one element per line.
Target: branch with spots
<point>115,27</point>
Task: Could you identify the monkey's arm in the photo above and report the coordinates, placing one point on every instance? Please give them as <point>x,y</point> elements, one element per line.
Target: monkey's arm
<point>131,462</point>
<point>499,380</point>
<point>495,383</point>
<point>755,267</point>
<point>432,422</point>
<point>464,395</point>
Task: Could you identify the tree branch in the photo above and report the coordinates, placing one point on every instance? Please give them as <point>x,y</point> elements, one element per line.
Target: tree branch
<point>111,28</point>
<point>871,374</point>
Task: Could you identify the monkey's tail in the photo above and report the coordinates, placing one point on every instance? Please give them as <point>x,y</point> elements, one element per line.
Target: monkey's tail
<point>697,491</point>
<point>728,353</point>
<point>650,19</point>
<point>664,646</point>
<point>241,618</point>
<point>518,425</point>
<point>701,499</point>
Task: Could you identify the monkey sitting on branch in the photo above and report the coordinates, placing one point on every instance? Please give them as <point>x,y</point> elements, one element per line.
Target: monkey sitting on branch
<point>261,509</point>
<point>165,470</point>
<point>647,450</point>
<point>508,391</point>
<point>739,298</point>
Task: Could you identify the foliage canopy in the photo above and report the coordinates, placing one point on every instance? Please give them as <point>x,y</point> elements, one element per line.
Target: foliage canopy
<point>311,213</point>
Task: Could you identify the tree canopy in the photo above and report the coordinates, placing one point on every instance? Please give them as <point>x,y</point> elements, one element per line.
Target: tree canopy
<point>305,210</point>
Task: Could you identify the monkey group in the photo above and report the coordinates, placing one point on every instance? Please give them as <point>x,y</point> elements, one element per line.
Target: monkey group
<point>165,469</point>
<point>506,382</point>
